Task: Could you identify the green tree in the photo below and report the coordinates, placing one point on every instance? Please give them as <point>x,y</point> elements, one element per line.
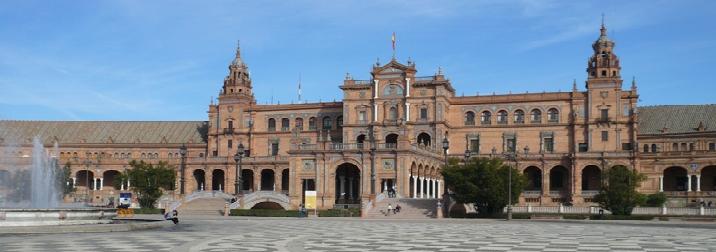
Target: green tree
<point>483,182</point>
<point>618,193</point>
<point>149,180</point>
<point>64,179</point>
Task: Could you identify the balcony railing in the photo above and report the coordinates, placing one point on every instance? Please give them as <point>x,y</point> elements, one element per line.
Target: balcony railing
<point>228,130</point>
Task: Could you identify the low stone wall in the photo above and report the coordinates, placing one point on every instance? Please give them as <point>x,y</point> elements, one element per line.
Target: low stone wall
<point>49,217</point>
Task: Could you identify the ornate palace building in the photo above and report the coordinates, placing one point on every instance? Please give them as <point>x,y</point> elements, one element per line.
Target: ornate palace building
<point>388,133</point>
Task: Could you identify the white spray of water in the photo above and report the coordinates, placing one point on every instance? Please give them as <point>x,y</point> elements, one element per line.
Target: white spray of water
<point>44,172</point>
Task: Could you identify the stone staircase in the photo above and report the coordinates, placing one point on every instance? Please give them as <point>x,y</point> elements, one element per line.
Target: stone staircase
<point>410,209</point>
<point>202,206</point>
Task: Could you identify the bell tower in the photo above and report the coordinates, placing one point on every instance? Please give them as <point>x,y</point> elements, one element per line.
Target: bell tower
<point>603,66</point>
<point>238,83</point>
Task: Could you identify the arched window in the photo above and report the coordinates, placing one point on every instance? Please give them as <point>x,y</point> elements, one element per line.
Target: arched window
<point>299,123</point>
<point>271,124</point>
<point>502,117</point>
<point>339,121</point>
<point>536,116</point>
<point>393,113</point>
<point>485,117</point>
<point>646,148</point>
<point>675,147</point>
<point>553,115</point>
<point>327,123</point>
<point>285,124</point>
<point>519,116</point>
<point>470,118</point>
<point>312,123</point>
<point>653,148</point>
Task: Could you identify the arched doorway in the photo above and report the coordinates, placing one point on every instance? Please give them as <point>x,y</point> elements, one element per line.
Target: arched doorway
<point>284,180</point>
<point>109,178</point>
<point>347,184</point>
<point>591,178</point>
<point>558,178</point>
<point>413,178</point>
<point>217,180</point>
<point>534,178</point>
<point>85,178</point>
<point>267,180</point>
<point>675,179</point>
<point>268,205</point>
<point>200,179</point>
<point>247,180</point>
<point>424,138</point>
<point>708,178</point>
<point>391,141</point>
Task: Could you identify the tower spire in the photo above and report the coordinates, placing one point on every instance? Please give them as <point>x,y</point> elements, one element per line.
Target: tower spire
<point>237,60</point>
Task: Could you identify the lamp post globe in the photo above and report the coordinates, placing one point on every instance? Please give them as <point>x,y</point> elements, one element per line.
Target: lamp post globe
<point>467,155</point>
<point>237,157</point>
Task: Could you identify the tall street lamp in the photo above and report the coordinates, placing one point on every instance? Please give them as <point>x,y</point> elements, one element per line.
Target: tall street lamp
<point>182,152</point>
<point>467,155</point>
<point>237,157</point>
<point>446,195</point>
<point>511,157</point>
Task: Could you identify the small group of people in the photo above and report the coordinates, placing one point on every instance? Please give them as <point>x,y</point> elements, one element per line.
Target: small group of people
<point>704,204</point>
<point>395,209</point>
<point>391,193</point>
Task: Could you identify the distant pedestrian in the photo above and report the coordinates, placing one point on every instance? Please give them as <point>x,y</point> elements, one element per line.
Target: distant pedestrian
<point>397,208</point>
<point>390,208</point>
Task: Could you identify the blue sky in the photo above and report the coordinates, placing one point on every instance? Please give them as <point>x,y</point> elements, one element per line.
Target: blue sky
<point>164,60</point>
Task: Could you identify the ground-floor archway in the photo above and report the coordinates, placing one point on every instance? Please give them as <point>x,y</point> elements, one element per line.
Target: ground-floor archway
<point>347,184</point>
<point>217,180</point>
<point>84,178</point>
<point>110,178</point>
<point>199,179</point>
<point>267,180</point>
<point>708,178</point>
<point>534,178</point>
<point>675,179</point>
<point>558,178</point>
<point>285,180</point>
<point>591,178</point>
<point>247,179</point>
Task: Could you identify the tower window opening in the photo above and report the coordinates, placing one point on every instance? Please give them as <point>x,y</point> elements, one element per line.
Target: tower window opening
<point>232,90</point>
<point>604,73</point>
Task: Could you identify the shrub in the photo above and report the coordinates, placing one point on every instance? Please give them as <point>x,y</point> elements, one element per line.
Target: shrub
<point>350,212</point>
<point>263,212</point>
<point>148,211</point>
<point>656,200</point>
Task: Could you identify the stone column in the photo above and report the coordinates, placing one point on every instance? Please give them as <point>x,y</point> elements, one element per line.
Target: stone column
<point>415,186</point>
<point>121,185</point>
<point>661,183</point>
<point>94,184</point>
<point>698,182</point>
<point>422,187</point>
<point>342,186</point>
<point>74,182</point>
<point>101,183</point>
<point>688,184</point>
<point>440,193</point>
<point>385,185</point>
<point>350,188</point>
<point>127,184</point>
<point>435,188</point>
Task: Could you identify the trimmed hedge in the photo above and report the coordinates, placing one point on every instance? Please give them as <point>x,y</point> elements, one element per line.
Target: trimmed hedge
<point>521,216</point>
<point>148,210</point>
<point>621,217</point>
<point>350,212</point>
<point>264,212</point>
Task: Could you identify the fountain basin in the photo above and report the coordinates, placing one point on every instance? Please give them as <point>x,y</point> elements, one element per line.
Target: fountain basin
<point>52,217</point>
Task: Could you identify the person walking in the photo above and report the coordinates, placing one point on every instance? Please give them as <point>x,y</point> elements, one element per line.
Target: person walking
<point>390,208</point>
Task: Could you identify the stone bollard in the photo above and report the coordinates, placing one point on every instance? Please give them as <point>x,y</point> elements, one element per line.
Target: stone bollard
<point>561,208</point>
<point>529,208</point>
<point>226,209</point>
<point>439,210</point>
<point>663,210</point>
<point>701,211</point>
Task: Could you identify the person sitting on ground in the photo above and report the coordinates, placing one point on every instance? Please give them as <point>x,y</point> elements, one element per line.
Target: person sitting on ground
<point>397,208</point>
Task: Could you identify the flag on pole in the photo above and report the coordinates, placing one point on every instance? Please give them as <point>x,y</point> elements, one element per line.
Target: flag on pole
<point>299,87</point>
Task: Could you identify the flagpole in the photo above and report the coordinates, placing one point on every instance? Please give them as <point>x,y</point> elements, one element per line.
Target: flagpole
<point>393,39</point>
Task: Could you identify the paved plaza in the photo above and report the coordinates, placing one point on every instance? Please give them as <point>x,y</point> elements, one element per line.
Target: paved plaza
<point>290,234</point>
